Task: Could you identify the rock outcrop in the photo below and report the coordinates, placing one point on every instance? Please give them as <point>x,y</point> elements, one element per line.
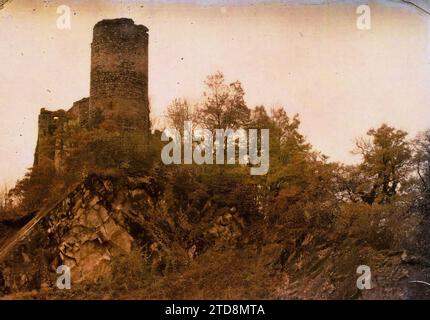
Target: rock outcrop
<point>105,218</point>
<point>84,231</point>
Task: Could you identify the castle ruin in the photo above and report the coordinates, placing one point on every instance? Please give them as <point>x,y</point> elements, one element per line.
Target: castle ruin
<point>118,90</point>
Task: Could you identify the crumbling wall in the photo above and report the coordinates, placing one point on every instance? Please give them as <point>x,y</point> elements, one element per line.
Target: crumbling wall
<point>118,90</point>
<point>50,136</point>
<point>80,112</point>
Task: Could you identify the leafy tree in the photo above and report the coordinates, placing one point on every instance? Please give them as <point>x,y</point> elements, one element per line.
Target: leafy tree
<point>34,188</point>
<point>386,163</point>
<point>260,119</point>
<point>286,132</point>
<point>224,106</point>
<point>422,166</point>
<point>350,180</point>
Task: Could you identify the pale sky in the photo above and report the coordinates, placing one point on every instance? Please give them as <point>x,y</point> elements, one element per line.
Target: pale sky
<point>310,59</point>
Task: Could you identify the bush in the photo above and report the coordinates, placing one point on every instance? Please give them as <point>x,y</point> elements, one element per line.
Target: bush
<point>129,272</point>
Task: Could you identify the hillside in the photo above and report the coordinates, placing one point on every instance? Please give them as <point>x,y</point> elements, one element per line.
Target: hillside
<point>122,241</point>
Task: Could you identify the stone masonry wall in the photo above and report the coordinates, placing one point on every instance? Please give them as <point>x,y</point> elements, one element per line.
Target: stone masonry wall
<point>119,72</point>
<point>118,90</point>
<point>51,126</point>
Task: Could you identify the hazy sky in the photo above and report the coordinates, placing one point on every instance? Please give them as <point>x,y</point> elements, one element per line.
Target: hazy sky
<point>310,59</point>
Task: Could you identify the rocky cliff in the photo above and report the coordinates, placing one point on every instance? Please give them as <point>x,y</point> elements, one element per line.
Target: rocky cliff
<point>99,221</point>
<point>214,252</point>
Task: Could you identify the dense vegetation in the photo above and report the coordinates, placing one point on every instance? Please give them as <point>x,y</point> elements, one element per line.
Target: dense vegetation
<point>305,202</point>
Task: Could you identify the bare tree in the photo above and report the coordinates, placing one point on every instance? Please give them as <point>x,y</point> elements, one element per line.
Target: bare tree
<point>178,112</point>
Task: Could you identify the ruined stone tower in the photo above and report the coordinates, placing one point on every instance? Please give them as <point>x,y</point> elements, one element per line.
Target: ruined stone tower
<point>119,73</point>
<point>118,91</point>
